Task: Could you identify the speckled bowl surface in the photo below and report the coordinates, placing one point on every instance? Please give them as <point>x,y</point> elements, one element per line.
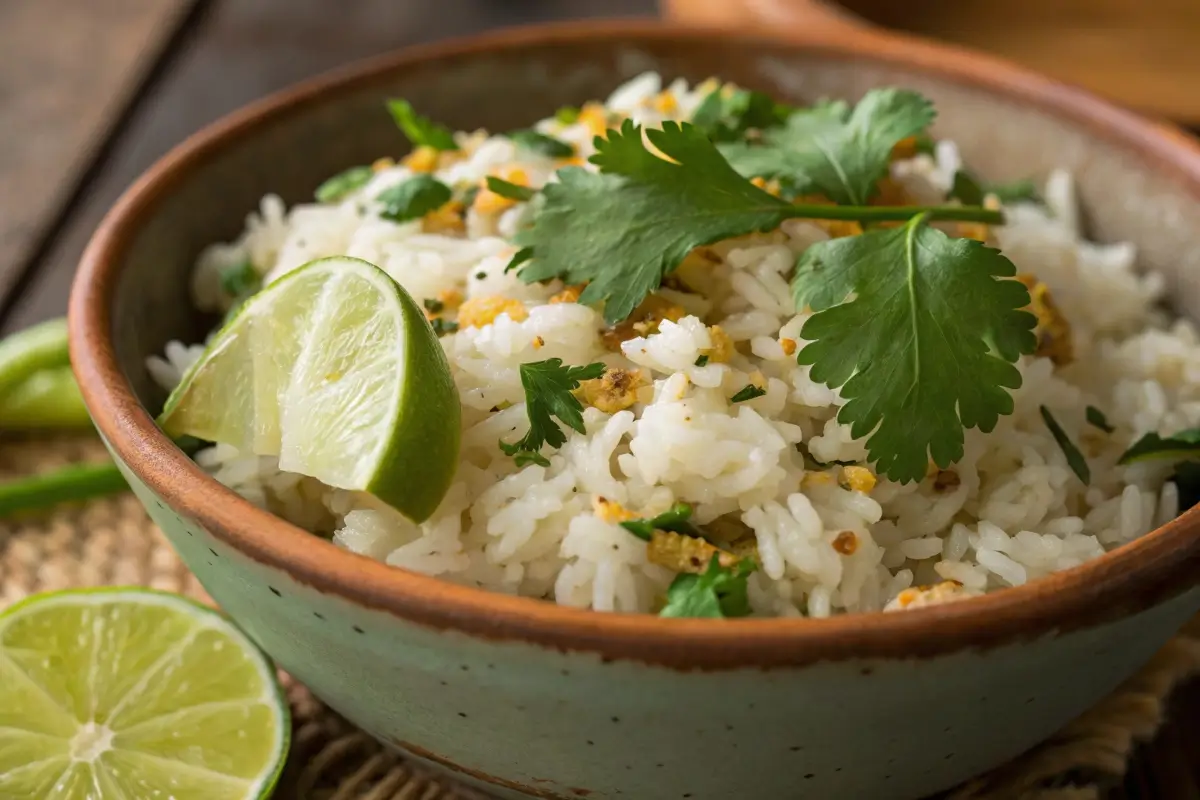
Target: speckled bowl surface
<point>527,699</point>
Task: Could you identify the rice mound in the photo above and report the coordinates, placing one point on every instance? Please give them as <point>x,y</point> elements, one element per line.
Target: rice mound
<point>829,541</point>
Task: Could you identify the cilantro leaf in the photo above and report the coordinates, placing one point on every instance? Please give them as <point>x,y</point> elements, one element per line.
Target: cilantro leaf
<point>747,392</point>
<point>542,144</point>
<point>413,198</point>
<point>674,519</point>
<point>1184,444</point>
<point>1096,419</point>
<point>840,155</point>
<point>717,592</point>
<point>241,279</point>
<point>441,326</point>
<point>924,348</point>
<point>970,191</point>
<point>701,360</point>
<point>512,191</point>
<point>343,183</point>
<point>548,386</point>
<point>726,116</point>
<point>421,131</point>
<point>621,232</point>
<point>1075,458</point>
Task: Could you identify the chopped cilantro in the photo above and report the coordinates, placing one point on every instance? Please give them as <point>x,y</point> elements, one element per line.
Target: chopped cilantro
<point>443,326</point>
<point>510,190</point>
<point>970,191</point>
<point>432,305</point>
<point>542,144</point>
<point>421,131</point>
<point>481,276</point>
<point>747,392</point>
<point>811,463</point>
<point>835,152</point>
<point>674,519</point>
<point>548,393</point>
<point>928,315</point>
<point>701,360</point>
<point>1096,419</point>
<point>467,198</point>
<point>241,279</point>
<point>623,230</point>
<point>924,144</point>
<point>1184,444</point>
<point>343,183</point>
<point>567,115</point>
<point>1075,458</point>
<point>414,198</point>
<point>717,592</point>
<point>726,116</point>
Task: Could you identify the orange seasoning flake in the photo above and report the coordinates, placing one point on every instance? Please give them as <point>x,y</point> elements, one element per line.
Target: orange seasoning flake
<point>480,311</point>
<point>846,543</point>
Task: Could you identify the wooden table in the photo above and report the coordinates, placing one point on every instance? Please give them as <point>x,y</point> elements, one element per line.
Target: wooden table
<point>93,91</point>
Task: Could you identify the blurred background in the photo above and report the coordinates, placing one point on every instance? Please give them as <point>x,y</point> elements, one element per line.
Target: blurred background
<point>93,91</point>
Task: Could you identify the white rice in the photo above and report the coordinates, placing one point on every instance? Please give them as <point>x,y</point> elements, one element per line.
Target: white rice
<point>1016,514</point>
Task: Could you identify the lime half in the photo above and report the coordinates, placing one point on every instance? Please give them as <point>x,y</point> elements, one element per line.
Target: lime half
<point>124,694</point>
<point>334,369</point>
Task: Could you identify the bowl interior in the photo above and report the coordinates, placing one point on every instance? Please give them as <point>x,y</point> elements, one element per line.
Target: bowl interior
<point>1126,189</point>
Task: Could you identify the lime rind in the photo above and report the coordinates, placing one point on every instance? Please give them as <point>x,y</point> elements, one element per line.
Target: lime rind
<point>271,697</point>
<point>334,369</point>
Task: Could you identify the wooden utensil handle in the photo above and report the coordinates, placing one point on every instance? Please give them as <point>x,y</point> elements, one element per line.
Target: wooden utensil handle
<point>810,14</point>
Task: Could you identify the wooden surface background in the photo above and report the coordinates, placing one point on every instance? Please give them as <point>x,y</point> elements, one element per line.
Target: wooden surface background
<point>93,91</point>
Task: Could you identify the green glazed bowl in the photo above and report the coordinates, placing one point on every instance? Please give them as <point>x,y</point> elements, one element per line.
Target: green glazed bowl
<point>522,698</point>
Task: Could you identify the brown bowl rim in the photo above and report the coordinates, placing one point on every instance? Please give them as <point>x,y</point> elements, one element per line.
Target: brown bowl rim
<point>1133,578</point>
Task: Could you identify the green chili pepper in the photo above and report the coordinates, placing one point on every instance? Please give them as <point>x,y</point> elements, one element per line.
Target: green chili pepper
<point>49,399</point>
<point>43,346</point>
<point>77,482</point>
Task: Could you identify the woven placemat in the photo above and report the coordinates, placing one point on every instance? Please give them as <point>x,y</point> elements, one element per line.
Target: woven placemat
<point>112,541</point>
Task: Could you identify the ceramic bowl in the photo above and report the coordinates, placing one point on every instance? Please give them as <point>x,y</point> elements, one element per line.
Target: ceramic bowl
<point>523,698</point>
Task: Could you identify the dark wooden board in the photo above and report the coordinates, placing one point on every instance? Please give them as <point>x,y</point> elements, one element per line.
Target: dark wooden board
<point>60,95</point>
<point>240,51</point>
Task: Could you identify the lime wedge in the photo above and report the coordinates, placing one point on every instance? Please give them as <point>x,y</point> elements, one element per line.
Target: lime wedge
<point>117,694</point>
<point>334,369</point>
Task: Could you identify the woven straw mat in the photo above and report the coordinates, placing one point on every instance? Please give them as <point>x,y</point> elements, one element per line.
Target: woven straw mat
<point>111,541</point>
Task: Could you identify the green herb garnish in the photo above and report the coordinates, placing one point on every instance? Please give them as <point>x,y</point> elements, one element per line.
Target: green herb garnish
<point>443,326</point>
<point>925,348</point>
<point>747,392</point>
<point>414,198</point>
<point>1187,484</point>
<point>548,393</point>
<point>717,592</point>
<point>674,519</point>
<point>970,191</point>
<point>542,144</point>
<point>1184,444</point>
<point>343,184</point>
<point>421,131</point>
<point>924,144</point>
<point>623,230</point>
<point>833,151</point>
<point>1075,458</point>
<point>432,305</point>
<point>567,115</point>
<point>701,361</point>
<point>1096,419</point>
<point>240,280</point>
<point>512,191</point>
<point>727,116</point>
<point>467,197</point>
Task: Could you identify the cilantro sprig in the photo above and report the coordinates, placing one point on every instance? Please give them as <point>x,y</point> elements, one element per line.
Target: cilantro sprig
<point>726,116</point>
<point>715,593</point>
<point>926,346</point>
<point>834,151</point>
<point>421,131</point>
<point>1184,444</point>
<point>621,231</point>
<point>1075,457</point>
<point>548,393</point>
<point>970,190</point>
